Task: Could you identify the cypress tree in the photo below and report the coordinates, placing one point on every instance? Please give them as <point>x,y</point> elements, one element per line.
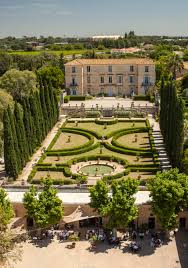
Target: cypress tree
<point>27,120</point>
<point>56,107</point>
<point>9,150</point>
<point>14,135</point>
<point>40,115</point>
<point>20,131</point>
<point>53,108</point>
<point>35,115</point>
<point>48,105</point>
<point>44,110</point>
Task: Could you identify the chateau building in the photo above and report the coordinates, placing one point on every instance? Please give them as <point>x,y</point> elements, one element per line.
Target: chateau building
<point>110,77</point>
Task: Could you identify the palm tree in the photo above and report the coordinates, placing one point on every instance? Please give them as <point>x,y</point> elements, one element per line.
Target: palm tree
<point>174,64</point>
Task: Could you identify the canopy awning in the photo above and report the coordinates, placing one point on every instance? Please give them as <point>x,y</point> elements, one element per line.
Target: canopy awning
<point>78,215</point>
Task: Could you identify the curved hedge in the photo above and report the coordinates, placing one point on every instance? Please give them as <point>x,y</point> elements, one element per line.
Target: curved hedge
<point>116,132</point>
<point>107,122</point>
<point>126,151</point>
<point>80,151</point>
<point>116,176</point>
<point>96,157</point>
<point>75,131</point>
<point>130,131</point>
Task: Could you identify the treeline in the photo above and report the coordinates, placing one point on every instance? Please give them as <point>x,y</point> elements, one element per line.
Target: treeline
<point>172,121</point>
<point>59,43</point>
<point>26,126</point>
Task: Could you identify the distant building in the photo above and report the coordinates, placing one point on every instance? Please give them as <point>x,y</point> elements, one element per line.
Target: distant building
<point>110,77</point>
<point>125,50</point>
<point>100,37</point>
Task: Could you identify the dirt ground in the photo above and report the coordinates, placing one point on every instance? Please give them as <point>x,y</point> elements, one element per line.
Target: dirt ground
<point>172,254</point>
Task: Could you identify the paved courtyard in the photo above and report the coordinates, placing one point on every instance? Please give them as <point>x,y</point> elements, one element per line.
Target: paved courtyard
<point>57,255</point>
<point>108,102</point>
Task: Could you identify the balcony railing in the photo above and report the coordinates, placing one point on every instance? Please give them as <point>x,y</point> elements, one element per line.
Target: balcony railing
<point>146,84</point>
<point>73,84</point>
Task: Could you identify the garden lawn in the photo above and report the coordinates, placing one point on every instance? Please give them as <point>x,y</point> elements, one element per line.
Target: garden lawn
<point>129,140</point>
<point>75,141</point>
<point>144,175</point>
<point>130,158</point>
<point>100,128</point>
<point>53,174</point>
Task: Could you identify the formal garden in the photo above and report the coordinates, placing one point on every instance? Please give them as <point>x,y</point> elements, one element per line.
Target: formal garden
<point>85,150</point>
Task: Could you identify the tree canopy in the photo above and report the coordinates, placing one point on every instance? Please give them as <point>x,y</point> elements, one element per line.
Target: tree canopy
<point>169,192</point>
<point>18,83</point>
<point>45,207</point>
<point>52,74</point>
<point>5,62</point>
<point>6,210</point>
<point>120,206</point>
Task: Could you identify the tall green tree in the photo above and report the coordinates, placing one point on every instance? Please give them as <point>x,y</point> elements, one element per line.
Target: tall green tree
<point>6,210</point>
<point>20,132</point>
<point>14,134</point>
<point>5,62</point>
<point>11,167</point>
<point>18,83</point>
<point>35,115</point>
<point>120,208</point>
<point>46,209</point>
<point>44,109</point>
<point>169,196</point>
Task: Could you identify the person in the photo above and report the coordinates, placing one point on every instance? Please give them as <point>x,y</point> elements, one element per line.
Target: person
<point>134,235</point>
<point>141,235</point>
<point>152,243</point>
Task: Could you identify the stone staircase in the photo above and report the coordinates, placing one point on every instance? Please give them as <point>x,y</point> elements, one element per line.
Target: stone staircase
<point>161,150</point>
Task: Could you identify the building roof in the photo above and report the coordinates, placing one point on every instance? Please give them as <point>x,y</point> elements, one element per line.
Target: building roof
<point>134,61</point>
<point>72,197</point>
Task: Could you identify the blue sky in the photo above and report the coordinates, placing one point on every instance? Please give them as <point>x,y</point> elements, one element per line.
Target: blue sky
<point>89,17</point>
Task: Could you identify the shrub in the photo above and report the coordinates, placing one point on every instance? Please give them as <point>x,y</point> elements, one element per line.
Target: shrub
<point>93,114</point>
<point>107,122</point>
<point>66,99</point>
<point>79,98</point>
<point>141,98</point>
<point>81,179</point>
<point>116,176</point>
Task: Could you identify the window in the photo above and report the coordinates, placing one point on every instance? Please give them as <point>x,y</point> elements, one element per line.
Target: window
<point>131,68</point>
<point>146,69</point>
<point>88,69</point>
<point>146,80</point>
<point>110,79</point>
<point>88,79</point>
<point>120,79</point>
<point>102,79</point>
<point>73,69</point>
<point>73,81</point>
<point>110,69</point>
<point>131,79</point>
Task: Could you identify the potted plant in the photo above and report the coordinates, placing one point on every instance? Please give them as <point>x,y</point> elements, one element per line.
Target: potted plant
<point>73,238</point>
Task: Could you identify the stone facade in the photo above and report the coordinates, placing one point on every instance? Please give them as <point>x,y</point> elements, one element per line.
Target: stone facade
<point>110,77</point>
<point>145,215</point>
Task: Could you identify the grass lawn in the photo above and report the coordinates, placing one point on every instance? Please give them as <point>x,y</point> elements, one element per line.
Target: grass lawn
<point>53,174</point>
<point>130,158</point>
<point>65,52</point>
<point>63,141</point>
<point>100,128</point>
<point>141,141</point>
<point>144,175</point>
